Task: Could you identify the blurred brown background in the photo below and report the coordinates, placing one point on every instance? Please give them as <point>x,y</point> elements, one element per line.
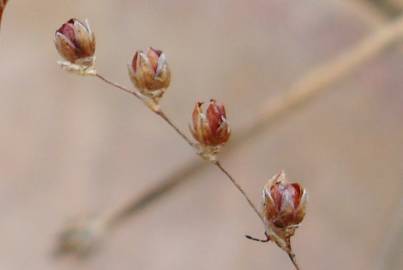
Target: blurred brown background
<point>71,145</point>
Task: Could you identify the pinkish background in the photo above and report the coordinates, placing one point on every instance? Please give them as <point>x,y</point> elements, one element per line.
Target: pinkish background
<point>72,145</point>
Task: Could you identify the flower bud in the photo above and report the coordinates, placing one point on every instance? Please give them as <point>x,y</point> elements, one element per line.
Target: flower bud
<point>75,42</point>
<point>150,72</point>
<point>283,210</point>
<point>210,128</point>
<point>284,203</point>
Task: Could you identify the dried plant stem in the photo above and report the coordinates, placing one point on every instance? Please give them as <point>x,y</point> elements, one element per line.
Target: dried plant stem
<point>149,103</point>
<point>219,166</point>
<point>116,85</point>
<point>293,259</point>
<point>165,117</point>
<point>157,110</point>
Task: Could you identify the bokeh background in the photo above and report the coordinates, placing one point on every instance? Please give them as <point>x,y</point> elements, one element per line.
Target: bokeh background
<point>71,145</point>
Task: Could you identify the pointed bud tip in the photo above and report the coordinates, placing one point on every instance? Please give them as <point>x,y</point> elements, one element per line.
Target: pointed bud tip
<point>151,74</point>
<point>211,127</point>
<point>75,42</point>
<point>284,202</point>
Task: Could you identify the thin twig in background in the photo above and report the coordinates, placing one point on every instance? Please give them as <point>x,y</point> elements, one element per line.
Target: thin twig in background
<point>329,74</point>
<point>155,108</point>
<point>314,83</point>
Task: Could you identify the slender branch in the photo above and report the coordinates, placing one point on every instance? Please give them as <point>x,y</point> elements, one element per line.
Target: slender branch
<point>219,166</point>
<point>157,110</point>
<point>135,93</point>
<point>293,259</point>
<point>150,104</point>
<point>165,117</point>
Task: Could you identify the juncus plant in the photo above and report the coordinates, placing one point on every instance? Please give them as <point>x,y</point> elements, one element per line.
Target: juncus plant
<point>283,202</point>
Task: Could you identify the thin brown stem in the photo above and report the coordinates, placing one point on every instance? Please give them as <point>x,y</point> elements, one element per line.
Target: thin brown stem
<point>149,103</point>
<point>157,110</point>
<point>169,121</point>
<point>137,95</point>
<point>293,259</point>
<point>235,183</point>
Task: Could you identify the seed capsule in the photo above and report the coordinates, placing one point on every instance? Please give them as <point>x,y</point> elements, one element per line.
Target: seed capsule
<point>284,202</point>
<point>210,128</point>
<point>150,73</point>
<point>75,42</point>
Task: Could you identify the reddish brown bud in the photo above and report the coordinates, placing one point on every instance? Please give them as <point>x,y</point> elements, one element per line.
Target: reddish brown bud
<point>150,72</point>
<point>283,209</point>
<point>284,202</point>
<point>210,128</point>
<point>75,42</point>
